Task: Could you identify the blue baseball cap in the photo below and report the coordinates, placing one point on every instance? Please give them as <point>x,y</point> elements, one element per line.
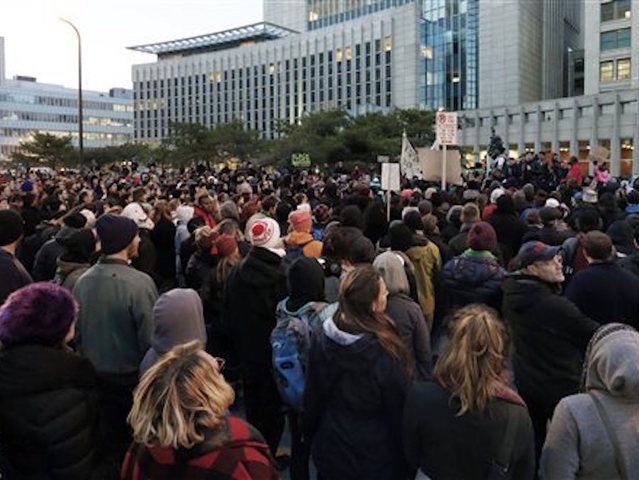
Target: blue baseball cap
<point>535,251</point>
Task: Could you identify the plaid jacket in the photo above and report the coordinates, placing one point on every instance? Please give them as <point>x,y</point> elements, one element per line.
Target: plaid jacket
<point>237,452</point>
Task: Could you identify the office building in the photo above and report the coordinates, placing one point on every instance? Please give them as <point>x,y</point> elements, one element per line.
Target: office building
<point>611,45</point>
<point>27,106</point>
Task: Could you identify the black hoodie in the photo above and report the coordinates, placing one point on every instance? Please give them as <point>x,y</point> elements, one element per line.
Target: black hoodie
<point>253,290</point>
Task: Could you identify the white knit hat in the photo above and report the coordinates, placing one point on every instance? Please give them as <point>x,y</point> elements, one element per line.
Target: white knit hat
<point>264,232</point>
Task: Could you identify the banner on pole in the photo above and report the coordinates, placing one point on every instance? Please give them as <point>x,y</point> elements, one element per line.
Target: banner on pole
<point>446,124</point>
<point>408,161</point>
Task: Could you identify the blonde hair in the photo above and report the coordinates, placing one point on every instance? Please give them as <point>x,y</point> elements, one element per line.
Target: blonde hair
<point>472,365</point>
<point>178,399</point>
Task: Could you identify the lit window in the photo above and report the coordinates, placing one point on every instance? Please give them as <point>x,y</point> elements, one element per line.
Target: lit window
<point>388,44</point>
<point>271,69</point>
<point>427,53</point>
<point>348,53</point>
<point>338,55</point>
<point>623,69</point>
<point>606,72</point>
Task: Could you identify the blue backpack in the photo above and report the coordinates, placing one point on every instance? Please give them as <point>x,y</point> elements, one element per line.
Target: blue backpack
<point>290,344</point>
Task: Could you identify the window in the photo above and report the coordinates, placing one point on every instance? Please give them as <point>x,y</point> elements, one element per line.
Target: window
<point>615,39</point>
<point>388,44</point>
<point>606,72</point>
<point>623,69</point>
<point>616,10</point>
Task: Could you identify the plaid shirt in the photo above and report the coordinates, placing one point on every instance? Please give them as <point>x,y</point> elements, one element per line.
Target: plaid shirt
<point>236,452</point>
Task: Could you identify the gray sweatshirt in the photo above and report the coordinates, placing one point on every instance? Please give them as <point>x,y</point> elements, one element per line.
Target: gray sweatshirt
<point>577,445</point>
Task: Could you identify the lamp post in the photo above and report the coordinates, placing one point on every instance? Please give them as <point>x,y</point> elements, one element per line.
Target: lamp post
<point>80,120</point>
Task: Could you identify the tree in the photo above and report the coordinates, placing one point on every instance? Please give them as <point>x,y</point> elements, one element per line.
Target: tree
<point>45,148</point>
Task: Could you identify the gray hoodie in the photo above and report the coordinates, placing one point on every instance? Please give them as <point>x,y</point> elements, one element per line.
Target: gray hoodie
<point>577,445</point>
<point>178,318</point>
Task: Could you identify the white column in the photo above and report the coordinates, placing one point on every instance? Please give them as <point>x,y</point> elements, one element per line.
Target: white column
<point>574,139</point>
<point>538,133</point>
<point>555,130</point>
<point>594,134</point>
<point>635,143</point>
<point>615,141</point>
<point>522,139</point>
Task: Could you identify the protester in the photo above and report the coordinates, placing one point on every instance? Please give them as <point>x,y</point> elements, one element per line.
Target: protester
<point>604,291</point>
<point>508,227</point>
<point>470,408</point>
<point>145,260</point>
<point>595,434</point>
<point>470,215</point>
<point>46,259</point>
<point>163,238</point>
<point>406,313</point>
<point>549,333</point>
<point>115,325</point>
<point>182,428</point>
<point>76,258</point>
<point>358,373</point>
<point>177,319</point>
<point>300,241</point>
<point>475,276</point>
<point>47,393</point>
<point>13,274</point>
<point>259,278</point>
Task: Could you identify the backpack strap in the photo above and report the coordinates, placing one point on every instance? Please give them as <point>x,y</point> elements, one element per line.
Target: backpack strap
<point>502,460</point>
<point>614,441</point>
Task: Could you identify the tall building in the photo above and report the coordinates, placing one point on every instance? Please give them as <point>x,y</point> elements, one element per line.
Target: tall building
<point>611,45</point>
<point>524,49</point>
<point>27,106</point>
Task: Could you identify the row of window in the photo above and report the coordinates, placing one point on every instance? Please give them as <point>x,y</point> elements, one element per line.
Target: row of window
<point>616,10</point>
<point>615,70</point>
<point>90,136</point>
<point>615,39</point>
<point>61,118</point>
<point>63,102</point>
<point>322,13</point>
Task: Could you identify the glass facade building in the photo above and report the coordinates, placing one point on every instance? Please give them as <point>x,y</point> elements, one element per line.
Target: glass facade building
<point>323,13</point>
<point>449,54</point>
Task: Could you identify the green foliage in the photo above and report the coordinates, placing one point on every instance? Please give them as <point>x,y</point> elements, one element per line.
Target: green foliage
<point>45,149</point>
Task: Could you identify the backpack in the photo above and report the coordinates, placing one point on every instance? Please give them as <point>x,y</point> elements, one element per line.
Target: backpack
<point>290,344</point>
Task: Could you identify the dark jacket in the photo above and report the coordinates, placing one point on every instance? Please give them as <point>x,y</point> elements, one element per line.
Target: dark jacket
<point>510,231</point>
<point>473,279</point>
<point>410,321</point>
<point>630,263</point>
<point>353,405</point>
<point>549,336</point>
<point>47,413</point>
<point>30,245</point>
<point>434,436</point>
<point>606,293</point>
<point>200,268</point>
<point>146,258</point>
<point>236,451</point>
<point>13,275</point>
<point>67,273</point>
<point>259,278</point>
<point>46,260</point>
<point>163,238</point>
<point>457,244</point>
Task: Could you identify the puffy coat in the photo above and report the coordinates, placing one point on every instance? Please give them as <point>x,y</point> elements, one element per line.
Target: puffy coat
<point>47,413</point>
<point>426,262</point>
<point>353,404</point>
<point>435,436</point>
<point>473,277</point>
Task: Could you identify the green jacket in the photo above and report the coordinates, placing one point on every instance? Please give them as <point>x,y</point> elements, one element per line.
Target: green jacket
<point>115,322</point>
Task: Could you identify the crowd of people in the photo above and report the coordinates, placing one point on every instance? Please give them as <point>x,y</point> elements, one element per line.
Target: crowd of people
<point>161,323</point>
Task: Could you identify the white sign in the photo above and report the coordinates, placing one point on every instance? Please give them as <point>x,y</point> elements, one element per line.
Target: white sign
<point>408,161</point>
<point>390,176</point>
<point>446,123</point>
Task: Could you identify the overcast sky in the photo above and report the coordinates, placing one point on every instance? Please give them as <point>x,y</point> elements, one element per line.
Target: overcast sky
<point>37,44</point>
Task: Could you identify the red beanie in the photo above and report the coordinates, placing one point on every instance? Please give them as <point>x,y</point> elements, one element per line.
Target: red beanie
<point>226,245</point>
<point>301,221</point>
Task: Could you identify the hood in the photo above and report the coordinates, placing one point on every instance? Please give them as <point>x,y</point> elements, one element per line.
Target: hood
<point>65,268</point>
<point>305,282</point>
<point>613,362</point>
<point>261,268</point>
<point>177,318</point>
<point>135,212</point>
<point>298,238</point>
<point>64,234</point>
<point>338,336</point>
<point>522,291</point>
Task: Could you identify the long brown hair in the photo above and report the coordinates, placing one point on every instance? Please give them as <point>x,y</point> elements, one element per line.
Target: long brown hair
<point>357,294</point>
<point>472,366</point>
<point>225,265</point>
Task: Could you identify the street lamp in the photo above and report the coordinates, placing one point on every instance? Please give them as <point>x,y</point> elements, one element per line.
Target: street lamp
<point>80,122</point>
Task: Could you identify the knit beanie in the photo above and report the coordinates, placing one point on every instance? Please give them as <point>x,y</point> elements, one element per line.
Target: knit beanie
<point>115,232</point>
<point>482,237</point>
<point>11,227</point>
<point>264,232</point>
<point>401,237</point>
<point>226,245</point>
<point>40,313</point>
<point>301,221</point>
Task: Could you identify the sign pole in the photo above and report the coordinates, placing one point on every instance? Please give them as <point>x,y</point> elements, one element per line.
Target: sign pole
<point>388,196</point>
<point>444,170</point>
